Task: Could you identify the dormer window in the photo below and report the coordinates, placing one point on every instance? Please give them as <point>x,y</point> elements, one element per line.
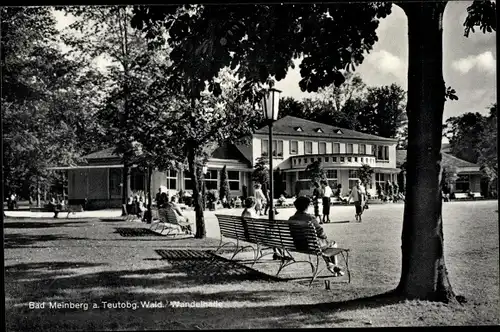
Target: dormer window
<point>319,130</point>
<point>338,131</point>
<point>298,129</point>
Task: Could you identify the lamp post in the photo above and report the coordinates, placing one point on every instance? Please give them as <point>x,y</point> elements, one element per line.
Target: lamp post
<point>270,105</point>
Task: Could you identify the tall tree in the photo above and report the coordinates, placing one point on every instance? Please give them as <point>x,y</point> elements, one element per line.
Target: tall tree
<point>260,172</point>
<point>47,100</point>
<point>383,112</point>
<point>464,133</point>
<point>202,123</point>
<point>262,42</point>
<point>105,32</point>
<point>352,88</point>
<point>487,148</point>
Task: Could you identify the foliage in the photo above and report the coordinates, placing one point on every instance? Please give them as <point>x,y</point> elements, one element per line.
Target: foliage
<point>261,41</point>
<point>383,112</point>
<point>224,184</point>
<point>365,173</point>
<point>464,134</point>
<point>487,146</point>
<point>260,172</point>
<point>315,172</point>
<point>47,100</point>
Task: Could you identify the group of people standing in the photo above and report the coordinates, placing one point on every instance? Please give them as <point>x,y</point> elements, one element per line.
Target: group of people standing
<point>323,194</point>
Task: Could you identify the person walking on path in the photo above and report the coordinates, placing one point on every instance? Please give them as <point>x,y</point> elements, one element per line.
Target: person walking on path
<point>327,194</point>
<point>317,197</point>
<point>358,198</point>
<point>259,199</point>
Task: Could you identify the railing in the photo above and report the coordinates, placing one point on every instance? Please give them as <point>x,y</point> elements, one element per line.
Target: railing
<point>347,159</point>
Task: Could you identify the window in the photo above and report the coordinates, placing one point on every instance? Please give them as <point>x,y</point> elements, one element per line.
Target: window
<point>338,131</point>
<point>356,159</point>
<point>336,148</point>
<point>319,159</point>
<point>349,159</point>
<point>362,149</point>
<point>115,180</point>
<point>318,130</point>
<point>332,177</point>
<point>342,159</point>
<point>211,179</point>
<point>381,152</point>
<point>321,147</point>
<point>294,147</point>
<point>462,183</point>
<point>327,159</point>
<point>380,180</point>
<point>277,148</point>
<point>265,147</point>
<point>295,161</point>
<point>233,177</point>
<point>334,159</point>
<point>349,148</point>
<point>361,159</point>
<point>187,181</point>
<point>171,179</point>
<point>298,129</point>
<point>353,178</point>
<point>308,147</point>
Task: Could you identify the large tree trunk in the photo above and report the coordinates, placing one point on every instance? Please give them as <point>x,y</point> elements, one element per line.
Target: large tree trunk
<point>424,274</point>
<point>126,182</point>
<point>196,180</point>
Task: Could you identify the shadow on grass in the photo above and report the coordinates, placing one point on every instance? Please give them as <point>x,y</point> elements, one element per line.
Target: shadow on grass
<point>117,219</point>
<point>247,295</point>
<point>37,224</point>
<point>12,241</point>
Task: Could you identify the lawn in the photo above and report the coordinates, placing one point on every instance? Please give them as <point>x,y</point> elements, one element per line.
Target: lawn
<point>88,261</point>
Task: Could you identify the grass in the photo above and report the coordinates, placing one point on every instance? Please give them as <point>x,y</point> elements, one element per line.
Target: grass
<point>88,261</point>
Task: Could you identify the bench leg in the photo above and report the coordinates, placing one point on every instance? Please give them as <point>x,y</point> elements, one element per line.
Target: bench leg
<point>346,260</point>
<point>315,270</point>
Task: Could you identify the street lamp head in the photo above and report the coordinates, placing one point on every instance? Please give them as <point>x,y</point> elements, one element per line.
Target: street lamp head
<point>270,104</point>
<point>205,169</point>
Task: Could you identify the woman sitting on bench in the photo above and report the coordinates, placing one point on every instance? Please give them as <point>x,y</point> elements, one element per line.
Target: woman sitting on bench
<point>301,216</point>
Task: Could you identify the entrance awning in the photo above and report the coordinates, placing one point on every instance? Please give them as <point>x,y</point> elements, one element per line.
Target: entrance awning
<point>384,170</point>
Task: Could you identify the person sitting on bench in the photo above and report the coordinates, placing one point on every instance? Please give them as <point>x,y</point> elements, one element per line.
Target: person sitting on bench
<point>301,216</point>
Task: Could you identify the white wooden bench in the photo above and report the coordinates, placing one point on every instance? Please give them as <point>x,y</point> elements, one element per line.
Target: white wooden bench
<point>461,196</point>
<point>285,235</point>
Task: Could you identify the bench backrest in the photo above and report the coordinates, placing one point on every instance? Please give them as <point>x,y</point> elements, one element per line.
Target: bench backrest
<point>291,235</point>
<point>460,195</point>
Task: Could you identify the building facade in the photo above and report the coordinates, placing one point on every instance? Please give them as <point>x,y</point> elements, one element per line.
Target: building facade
<point>296,143</point>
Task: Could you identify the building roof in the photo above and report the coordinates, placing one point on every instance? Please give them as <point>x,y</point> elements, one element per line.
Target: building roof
<point>293,126</point>
<point>448,160</point>
<point>242,153</point>
<point>230,151</point>
<point>103,154</point>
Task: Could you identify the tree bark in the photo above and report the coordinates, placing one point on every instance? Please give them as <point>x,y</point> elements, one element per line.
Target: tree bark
<point>149,216</point>
<point>126,182</point>
<point>424,275</point>
<point>196,180</point>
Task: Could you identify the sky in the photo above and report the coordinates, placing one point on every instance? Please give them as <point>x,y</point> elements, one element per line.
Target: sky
<point>469,63</point>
